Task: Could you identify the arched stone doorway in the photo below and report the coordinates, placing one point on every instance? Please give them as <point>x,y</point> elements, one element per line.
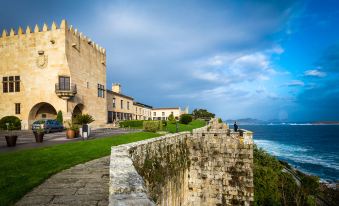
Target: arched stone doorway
<point>42,110</point>
<point>77,110</point>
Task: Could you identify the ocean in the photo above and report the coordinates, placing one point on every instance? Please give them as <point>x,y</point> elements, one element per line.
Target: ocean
<point>312,149</point>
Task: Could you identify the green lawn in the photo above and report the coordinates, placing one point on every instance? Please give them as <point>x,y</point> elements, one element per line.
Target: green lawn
<point>21,171</point>
<point>185,127</point>
<point>137,124</point>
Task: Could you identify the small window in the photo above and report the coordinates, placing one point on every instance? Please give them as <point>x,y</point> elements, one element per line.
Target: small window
<point>17,83</point>
<point>4,84</point>
<point>101,91</point>
<point>43,116</point>
<point>11,86</point>
<point>87,84</point>
<point>122,104</point>
<point>17,108</point>
<point>113,102</point>
<point>128,105</point>
<point>154,114</point>
<point>163,113</point>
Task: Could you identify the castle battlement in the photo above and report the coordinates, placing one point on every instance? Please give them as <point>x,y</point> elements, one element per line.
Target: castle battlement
<point>45,28</point>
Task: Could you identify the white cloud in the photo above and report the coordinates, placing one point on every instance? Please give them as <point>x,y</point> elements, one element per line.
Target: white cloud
<point>314,73</point>
<point>232,68</point>
<point>295,83</point>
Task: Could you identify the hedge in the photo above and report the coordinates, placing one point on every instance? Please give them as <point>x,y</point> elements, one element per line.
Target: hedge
<point>132,123</point>
<point>152,126</point>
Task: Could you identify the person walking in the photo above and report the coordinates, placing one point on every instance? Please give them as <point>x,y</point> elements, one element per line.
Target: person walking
<point>235,126</point>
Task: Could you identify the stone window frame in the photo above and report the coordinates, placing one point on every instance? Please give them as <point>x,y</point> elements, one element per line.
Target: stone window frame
<point>10,84</point>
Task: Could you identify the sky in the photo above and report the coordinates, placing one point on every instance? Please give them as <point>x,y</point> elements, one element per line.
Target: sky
<point>238,59</point>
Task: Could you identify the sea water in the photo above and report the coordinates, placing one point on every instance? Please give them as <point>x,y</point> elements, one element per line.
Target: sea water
<point>313,149</point>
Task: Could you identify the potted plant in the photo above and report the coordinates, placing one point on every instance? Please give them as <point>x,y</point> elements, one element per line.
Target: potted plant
<point>39,135</point>
<point>11,137</point>
<point>71,128</point>
<point>84,120</point>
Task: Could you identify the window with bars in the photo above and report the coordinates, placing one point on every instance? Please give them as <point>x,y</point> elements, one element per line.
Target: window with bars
<point>101,90</point>
<point>17,108</point>
<point>11,84</point>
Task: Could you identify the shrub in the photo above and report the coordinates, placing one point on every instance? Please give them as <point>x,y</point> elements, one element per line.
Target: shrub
<point>219,120</point>
<point>14,123</point>
<point>59,118</point>
<point>132,123</point>
<point>185,118</point>
<point>164,123</point>
<point>152,126</point>
<point>84,119</point>
<point>171,118</point>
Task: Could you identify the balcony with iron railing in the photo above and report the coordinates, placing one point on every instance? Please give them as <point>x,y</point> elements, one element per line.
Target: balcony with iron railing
<point>65,91</point>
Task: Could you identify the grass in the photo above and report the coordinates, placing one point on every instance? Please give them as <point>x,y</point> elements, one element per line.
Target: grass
<point>171,127</point>
<point>23,170</point>
<point>185,127</point>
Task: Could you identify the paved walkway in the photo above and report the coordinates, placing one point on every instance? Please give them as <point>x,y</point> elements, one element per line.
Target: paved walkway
<point>26,138</point>
<point>84,184</point>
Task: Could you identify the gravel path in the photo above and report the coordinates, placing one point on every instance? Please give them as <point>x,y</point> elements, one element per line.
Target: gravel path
<point>83,184</point>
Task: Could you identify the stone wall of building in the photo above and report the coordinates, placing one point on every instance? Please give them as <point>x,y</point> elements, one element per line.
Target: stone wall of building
<point>210,166</point>
<point>39,56</point>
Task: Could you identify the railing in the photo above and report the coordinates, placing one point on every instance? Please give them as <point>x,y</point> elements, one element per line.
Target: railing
<point>65,91</point>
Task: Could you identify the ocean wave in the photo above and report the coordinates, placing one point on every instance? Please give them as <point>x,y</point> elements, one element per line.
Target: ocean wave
<point>297,154</point>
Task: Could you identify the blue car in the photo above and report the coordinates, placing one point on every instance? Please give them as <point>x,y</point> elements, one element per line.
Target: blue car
<point>49,125</point>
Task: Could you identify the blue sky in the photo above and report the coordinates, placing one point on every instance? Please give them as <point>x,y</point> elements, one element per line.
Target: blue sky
<point>259,59</point>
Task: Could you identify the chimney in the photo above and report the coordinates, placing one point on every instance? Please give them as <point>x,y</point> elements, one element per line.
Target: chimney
<point>116,87</point>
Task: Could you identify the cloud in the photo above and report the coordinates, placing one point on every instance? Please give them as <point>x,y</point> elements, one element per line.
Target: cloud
<point>314,73</point>
<point>232,68</point>
<point>294,83</point>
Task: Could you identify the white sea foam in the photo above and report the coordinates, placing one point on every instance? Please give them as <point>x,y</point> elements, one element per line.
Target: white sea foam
<point>297,153</point>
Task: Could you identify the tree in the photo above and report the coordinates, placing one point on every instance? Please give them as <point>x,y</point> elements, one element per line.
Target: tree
<point>171,118</point>
<point>185,118</point>
<point>59,118</point>
<point>202,113</point>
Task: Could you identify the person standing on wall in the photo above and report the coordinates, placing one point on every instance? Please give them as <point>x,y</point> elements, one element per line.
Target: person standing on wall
<point>235,126</point>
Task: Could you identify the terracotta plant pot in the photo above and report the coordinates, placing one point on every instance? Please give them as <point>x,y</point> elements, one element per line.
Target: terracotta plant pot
<point>11,140</point>
<point>70,134</point>
<point>39,136</point>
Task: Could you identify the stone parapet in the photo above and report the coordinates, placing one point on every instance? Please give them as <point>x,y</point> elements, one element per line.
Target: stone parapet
<point>210,166</point>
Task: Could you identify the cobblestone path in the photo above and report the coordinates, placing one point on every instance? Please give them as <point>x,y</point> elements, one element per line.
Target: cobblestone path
<point>84,184</point>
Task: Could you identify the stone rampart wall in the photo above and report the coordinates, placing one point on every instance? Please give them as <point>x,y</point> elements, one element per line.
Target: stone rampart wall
<point>210,166</point>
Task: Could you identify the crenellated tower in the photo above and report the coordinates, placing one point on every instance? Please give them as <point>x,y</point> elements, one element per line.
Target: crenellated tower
<point>50,68</point>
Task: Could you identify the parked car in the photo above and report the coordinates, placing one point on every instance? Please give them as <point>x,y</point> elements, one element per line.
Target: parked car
<point>49,125</point>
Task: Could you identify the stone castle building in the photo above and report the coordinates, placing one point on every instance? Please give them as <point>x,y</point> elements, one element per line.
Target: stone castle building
<point>44,70</point>
<point>57,68</point>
